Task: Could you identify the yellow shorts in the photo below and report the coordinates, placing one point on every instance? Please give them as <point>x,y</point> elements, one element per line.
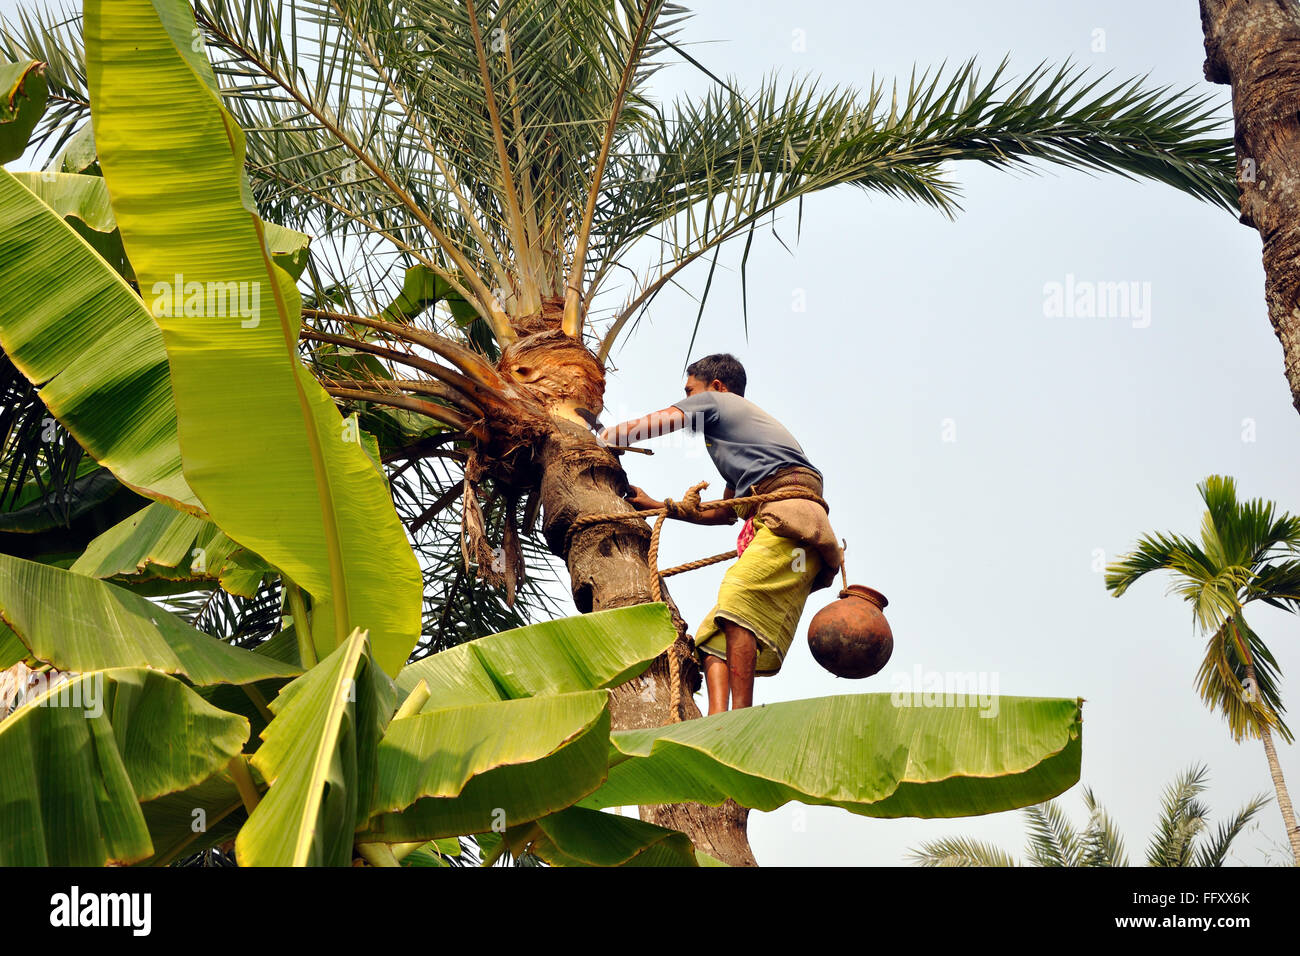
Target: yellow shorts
<point>764,591</point>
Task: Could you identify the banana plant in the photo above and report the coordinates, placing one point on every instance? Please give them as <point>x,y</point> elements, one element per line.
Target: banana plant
<point>505,736</point>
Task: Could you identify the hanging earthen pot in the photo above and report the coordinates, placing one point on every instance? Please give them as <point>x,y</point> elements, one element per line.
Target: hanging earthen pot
<point>850,637</point>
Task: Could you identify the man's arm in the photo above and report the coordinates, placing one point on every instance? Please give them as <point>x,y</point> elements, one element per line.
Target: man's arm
<point>723,514</point>
<point>662,422</point>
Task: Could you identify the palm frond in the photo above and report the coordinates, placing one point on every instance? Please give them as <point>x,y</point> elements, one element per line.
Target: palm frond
<point>1053,841</point>
<point>1102,843</point>
<point>1214,851</point>
<point>713,168</point>
<point>1182,817</point>
<point>1223,681</point>
<point>1157,552</point>
<point>960,851</point>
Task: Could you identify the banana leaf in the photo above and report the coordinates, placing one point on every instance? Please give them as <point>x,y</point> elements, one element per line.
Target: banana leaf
<point>265,448</point>
<point>193,820</point>
<point>160,543</point>
<point>22,102</point>
<point>77,623</point>
<point>76,761</point>
<point>76,330</point>
<point>319,756</point>
<point>579,837</point>
<point>84,203</point>
<point>583,652</point>
<point>469,769</point>
<point>861,752</point>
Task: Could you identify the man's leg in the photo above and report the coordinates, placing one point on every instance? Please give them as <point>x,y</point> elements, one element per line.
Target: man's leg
<point>742,655</point>
<point>715,676</point>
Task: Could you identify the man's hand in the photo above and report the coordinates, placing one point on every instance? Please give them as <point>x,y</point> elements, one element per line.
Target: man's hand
<point>639,500</point>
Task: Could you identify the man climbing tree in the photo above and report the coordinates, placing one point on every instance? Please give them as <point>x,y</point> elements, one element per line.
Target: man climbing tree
<point>787,548</point>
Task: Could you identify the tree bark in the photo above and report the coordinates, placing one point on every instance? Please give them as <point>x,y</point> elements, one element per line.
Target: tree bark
<point>1283,797</point>
<point>1255,47</point>
<point>608,568</point>
<point>1274,768</point>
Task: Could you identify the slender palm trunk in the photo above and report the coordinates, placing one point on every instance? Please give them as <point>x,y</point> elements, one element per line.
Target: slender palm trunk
<point>608,568</point>
<point>1274,768</point>
<point>1283,797</point>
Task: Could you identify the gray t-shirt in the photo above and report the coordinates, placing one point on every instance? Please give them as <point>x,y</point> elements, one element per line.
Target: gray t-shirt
<point>745,442</point>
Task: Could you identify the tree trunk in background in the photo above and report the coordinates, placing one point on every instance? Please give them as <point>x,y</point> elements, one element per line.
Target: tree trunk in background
<point>1274,768</point>
<point>1283,797</point>
<point>608,568</point>
<point>1255,47</point>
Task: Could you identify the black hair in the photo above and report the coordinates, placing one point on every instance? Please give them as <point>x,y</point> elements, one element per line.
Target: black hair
<point>723,366</point>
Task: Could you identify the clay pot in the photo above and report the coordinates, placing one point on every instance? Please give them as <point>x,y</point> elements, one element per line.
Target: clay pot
<point>850,637</point>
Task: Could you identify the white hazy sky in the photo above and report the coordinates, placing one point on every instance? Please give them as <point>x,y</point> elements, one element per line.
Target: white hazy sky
<point>1073,436</point>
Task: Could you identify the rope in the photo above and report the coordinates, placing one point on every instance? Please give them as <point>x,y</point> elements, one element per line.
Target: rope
<point>688,509</point>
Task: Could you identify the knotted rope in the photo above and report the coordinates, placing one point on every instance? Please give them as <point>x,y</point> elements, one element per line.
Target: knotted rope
<point>688,509</point>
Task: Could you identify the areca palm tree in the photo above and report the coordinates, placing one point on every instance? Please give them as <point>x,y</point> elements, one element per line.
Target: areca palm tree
<point>1181,837</point>
<point>1246,553</point>
<point>484,171</point>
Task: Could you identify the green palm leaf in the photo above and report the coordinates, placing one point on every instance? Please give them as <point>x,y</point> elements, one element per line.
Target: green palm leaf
<point>1182,818</point>
<point>960,851</point>
<point>1102,843</point>
<point>1214,852</point>
<point>1052,839</point>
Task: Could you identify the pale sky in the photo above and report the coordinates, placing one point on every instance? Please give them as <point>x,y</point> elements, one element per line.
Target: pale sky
<point>980,452</point>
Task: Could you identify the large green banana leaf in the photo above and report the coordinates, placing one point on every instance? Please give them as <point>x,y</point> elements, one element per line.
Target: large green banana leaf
<point>22,101</point>
<point>161,543</point>
<point>12,649</point>
<point>194,819</point>
<point>83,201</point>
<point>583,652</point>
<point>76,761</point>
<point>859,752</point>
<point>265,448</point>
<point>77,623</point>
<point>468,769</point>
<point>319,756</point>
<point>515,725</point>
<point>580,837</point>
<point>76,330</point>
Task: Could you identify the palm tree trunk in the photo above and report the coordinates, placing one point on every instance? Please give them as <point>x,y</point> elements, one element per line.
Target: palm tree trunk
<point>1255,47</point>
<point>608,568</point>
<point>1283,797</point>
<point>1274,768</point>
